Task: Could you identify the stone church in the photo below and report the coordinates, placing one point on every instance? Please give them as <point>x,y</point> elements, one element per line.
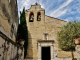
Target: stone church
<point>42,35</point>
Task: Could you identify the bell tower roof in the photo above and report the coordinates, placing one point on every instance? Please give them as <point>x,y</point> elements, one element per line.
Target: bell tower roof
<point>36,6</point>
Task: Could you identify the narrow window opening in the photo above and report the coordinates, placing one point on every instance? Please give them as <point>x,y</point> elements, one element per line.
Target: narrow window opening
<point>31,19</point>
<point>39,16</point>
<point>12,29</point>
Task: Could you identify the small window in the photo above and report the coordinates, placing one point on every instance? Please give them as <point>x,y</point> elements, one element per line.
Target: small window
<point>31,18</point>
<point>45,36</point>
<point>39,16</point>
<point>12,29</point>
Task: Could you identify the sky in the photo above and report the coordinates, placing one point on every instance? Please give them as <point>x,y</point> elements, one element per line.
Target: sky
<point>67,10</point>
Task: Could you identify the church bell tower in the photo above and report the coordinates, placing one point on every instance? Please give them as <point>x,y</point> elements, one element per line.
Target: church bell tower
<point>35,19</point>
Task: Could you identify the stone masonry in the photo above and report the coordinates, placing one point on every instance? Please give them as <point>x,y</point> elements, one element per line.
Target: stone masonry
<point>9,49</point>
<point>37,30</point>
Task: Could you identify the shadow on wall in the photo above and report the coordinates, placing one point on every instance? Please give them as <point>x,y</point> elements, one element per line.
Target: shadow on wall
<point>30,46</point>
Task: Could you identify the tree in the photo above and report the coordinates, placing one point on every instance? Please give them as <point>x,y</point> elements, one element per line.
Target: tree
<point>67,34</point>
<point>22,31</point>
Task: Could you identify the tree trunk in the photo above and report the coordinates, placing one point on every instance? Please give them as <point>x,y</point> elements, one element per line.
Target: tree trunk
<point>72,55</point>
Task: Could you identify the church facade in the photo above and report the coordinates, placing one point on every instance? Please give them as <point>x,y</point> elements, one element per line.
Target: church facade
<point>42,35</point>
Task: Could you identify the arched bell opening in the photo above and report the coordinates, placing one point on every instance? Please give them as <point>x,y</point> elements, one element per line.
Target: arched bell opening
<point>38,16</point>
<point>31,18</point>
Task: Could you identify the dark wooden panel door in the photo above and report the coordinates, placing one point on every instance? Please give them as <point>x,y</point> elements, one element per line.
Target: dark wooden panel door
<point>45,53</point>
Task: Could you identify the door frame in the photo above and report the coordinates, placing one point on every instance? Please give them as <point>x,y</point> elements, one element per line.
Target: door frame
<point>45,44</point>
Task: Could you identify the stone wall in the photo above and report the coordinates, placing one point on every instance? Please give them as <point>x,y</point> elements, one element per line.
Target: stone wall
<point>9,50</point>
<point>77,52</point>
<point>9,18</point>
<point>52,26</point>
<point>63,58</point>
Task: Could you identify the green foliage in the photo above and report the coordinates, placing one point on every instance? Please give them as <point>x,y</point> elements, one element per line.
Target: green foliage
<point>22,31</point>
<point>67,34</point>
